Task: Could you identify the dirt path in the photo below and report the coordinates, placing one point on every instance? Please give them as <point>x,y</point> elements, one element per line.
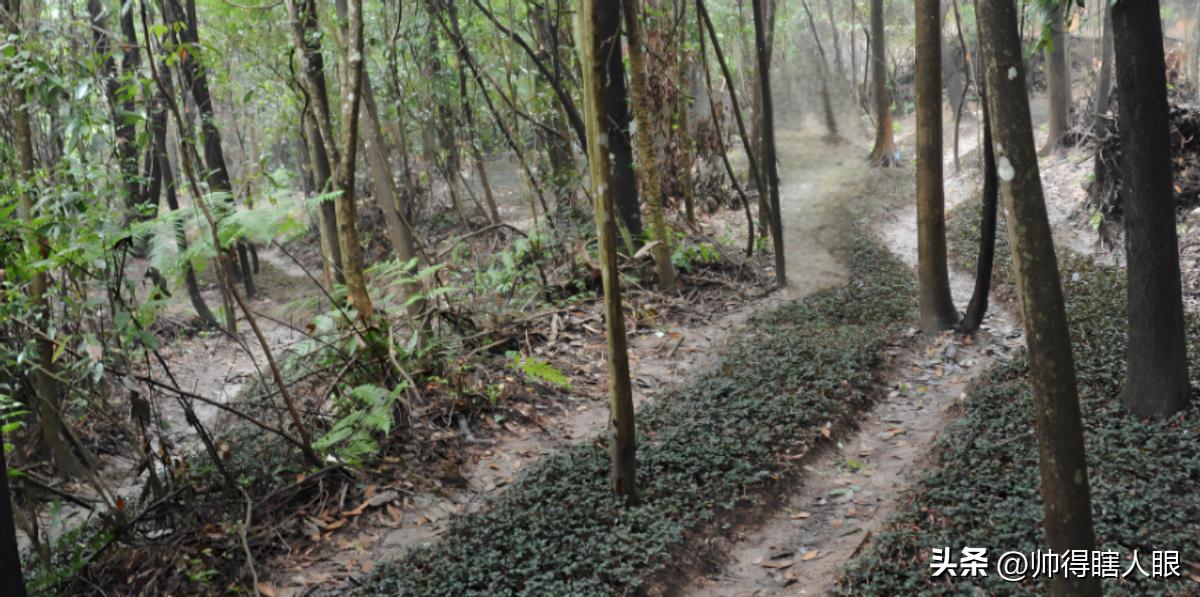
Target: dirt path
<point>850,491</point>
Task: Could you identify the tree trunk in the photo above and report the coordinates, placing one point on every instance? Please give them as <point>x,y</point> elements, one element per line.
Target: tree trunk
<point>823,75</point>
<point>469,121</point>
<point>11,581</point>
<point>884,152</point>
<point>214,157</point>
<point>1058,78</point>
<point>1104,84</point>
<point>755,172</point>
<point>616,102</point>
<point>1157,376</point>
<point>837,38</point>
<point>158,153</point>
<point>937,307</point>
<point>1066,501</point>
<point>978,306</point>
<point>594,41</point>
<point>45,381</point>
<point>317,120</point>
<point>768,130</point>
<point>714,114</point>
<point>120,111</point>
<point>347,215</point>
<point>651,174</point>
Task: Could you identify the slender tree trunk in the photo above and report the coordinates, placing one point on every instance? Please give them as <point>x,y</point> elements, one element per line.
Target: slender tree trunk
<point>347,215</point>
<point>1066,500</point>
<point>837,38</point>
<point>616,101</point>
<point>651,173</point>
<point>978,306</point>
<point>11,581</point>
<point>1058,78</point>
<point>43,369</point>
<point>823,75</point>
<point>884,152</point>
<point>755,172</point>
<point>214,157</point>
<point>469,120</point>
<point>856,92</point>
<point>594,43</point>
<point>768,130</point>
<point>937,307</point>
<point>1104,84</point>
<point>158,153</point>
<point>123,130</point>
<point>961,102</point>
<point>1156,384</point>
<point>719,127</point>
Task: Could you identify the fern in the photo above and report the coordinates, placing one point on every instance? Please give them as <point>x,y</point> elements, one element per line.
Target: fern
<point>538,370</point>
<point>368,415</point>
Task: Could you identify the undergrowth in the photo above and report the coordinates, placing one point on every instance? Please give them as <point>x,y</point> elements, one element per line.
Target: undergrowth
<point>983,490</point>
<point>703,445</point>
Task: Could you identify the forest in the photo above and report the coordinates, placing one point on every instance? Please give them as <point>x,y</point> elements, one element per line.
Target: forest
<point>599,297</point>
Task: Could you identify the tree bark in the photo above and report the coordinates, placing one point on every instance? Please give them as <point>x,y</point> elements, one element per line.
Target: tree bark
<point>158,153</point>
<point>823,75</point>
<point>616,102</point>
<point>755,173</point>
<point>45,381</point>
<point>317,122</point>
<point>977,308</point>
<point>1156,383</point>
<point>768,131</point>
<point>594,41</point>
<point>1104,82</point>
<point>884,152</point>
<point>214,157</point>
<point>1058,78</point>
<point>837,38</point>
<point>120,110</point>
<point>1066,500</point>
<point>937,307</point>
<point>11,581</point>
<point>651,174</point>
<point>347,215</point>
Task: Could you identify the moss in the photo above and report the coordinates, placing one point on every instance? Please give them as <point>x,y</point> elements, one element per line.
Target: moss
<point>703,445</point>
<point>983,489</point>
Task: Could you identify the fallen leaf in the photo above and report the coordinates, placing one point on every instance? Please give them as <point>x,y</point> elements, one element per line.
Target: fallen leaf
<point>811,555</point>
<point>799,515</point>
<point>777,564</point>
<point>266,590</point>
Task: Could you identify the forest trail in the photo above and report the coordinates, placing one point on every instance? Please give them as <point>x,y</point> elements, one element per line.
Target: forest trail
<point>849,492</point>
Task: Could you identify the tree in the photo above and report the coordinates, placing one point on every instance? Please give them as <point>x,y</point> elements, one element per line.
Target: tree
<point>651,176</point>
<point>616,102</point>
<point>183,20</point>
<point>317,126</point>
<point>1058,75</point>
<point>623,445</point>
<point>977,308</point>
<point>884,152</point>
<point>1104,81</point>
<point>46,383</point>
<point>937,307</point>
<point>1066,500</point>
<point>347,215</point>
<point>822,74</point>
<point>768,147</point>
<point>11,581</point>
<point>1156,384</point>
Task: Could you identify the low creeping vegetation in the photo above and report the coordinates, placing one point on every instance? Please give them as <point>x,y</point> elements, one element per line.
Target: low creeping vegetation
<point>704,445</point>
<point>983,489</point>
